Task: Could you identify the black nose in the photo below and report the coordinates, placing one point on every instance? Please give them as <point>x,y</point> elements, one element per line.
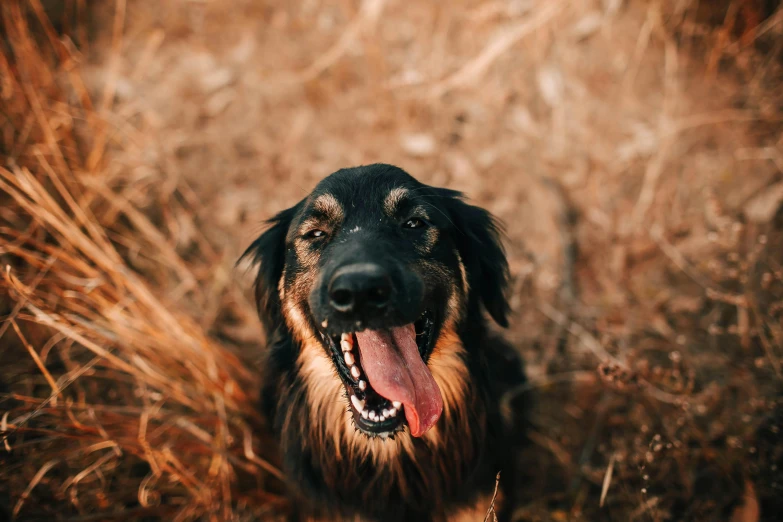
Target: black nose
<point>357,286</point>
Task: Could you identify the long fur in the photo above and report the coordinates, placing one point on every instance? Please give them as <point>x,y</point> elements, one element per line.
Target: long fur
<point>337,472</point>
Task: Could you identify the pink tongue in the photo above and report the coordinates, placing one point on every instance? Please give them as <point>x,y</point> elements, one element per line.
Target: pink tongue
<point>397,372</point>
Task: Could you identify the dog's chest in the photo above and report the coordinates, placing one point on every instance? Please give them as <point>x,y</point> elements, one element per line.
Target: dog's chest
<point>476,512</point>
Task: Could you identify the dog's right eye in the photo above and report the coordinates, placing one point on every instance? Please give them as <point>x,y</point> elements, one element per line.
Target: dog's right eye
<point>315,234</point>
<point>415,223</point>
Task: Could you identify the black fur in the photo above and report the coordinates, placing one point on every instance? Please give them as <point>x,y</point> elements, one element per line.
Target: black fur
<point>430,483</point>
<point>268,251</point>
<point>478,241</point>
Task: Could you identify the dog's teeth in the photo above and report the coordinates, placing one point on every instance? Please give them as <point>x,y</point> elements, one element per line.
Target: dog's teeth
<point>346,346</point>
<point>372,416</point>
<point>359,405</point>
<point>393,412</point>
<point>365,414</point>
<point>397,404</point>
<point>348,358</point>
<point>355,372</point>
<point>386,413</point>
<point>362,385</point>
<point>325,323</point>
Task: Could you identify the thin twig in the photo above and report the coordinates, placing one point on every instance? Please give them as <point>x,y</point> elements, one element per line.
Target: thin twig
<point>34,482</point>
<point>607,479</point>
<point>472,72</point>
<point>578,331</point>
<point>491,510</point>
<point>369,13</point>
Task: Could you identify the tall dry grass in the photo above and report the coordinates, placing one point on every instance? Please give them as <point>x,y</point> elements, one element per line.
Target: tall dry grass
<point>121,405</point>
<point>633,150</point>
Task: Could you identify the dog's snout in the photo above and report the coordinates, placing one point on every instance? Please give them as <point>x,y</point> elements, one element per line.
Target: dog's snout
<point>359,286</point>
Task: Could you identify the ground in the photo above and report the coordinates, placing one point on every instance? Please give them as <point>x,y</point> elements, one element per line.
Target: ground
<point>633,151</point>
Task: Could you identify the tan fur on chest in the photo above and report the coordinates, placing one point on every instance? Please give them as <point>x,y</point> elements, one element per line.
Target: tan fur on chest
<point>474,513</point>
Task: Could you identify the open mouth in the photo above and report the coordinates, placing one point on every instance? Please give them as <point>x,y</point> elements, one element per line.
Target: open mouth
<point>386,378</point>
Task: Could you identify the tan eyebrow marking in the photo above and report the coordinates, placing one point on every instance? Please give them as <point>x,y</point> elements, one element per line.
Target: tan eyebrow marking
<point>328,205</point>
<point>393,199</point>
<point>309,224</point>
<point>419,211</point>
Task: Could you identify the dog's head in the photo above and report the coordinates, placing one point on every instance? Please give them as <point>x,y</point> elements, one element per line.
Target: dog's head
<point>374,269</point>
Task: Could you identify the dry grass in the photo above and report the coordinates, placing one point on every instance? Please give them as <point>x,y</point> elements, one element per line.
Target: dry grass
<point>130,404</point>
<point>633,149</point>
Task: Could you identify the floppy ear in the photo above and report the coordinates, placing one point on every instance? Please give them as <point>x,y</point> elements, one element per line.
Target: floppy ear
<point>478,238</point>
<point>268,252</point>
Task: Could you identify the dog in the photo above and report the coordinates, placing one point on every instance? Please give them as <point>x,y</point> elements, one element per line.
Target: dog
<point>383,380</point>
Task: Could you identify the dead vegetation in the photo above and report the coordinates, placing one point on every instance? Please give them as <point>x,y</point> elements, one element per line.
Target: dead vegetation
<point>633,150</point>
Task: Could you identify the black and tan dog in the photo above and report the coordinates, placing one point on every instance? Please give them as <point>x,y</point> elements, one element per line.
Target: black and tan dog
<point>382,380</point>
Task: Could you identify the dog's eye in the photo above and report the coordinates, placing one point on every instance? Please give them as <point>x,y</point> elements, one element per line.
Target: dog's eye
<point>315,234</point>
<point>415,223</point>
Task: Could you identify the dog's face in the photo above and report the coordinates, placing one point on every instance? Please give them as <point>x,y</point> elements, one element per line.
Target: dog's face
<point>373,270</point>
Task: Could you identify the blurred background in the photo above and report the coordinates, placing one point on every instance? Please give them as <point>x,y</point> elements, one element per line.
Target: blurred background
<point>633,150</point>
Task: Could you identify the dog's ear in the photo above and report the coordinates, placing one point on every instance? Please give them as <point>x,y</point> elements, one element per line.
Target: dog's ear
<point>478,238</point>
<point>268,253</point>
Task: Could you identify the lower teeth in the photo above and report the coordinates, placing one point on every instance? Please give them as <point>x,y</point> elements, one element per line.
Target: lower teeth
<point>346,346</point>
<point>373,416</point>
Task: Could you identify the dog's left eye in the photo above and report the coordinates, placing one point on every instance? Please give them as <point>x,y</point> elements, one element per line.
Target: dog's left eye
<point>315,234</point>
<point>414,223</point>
